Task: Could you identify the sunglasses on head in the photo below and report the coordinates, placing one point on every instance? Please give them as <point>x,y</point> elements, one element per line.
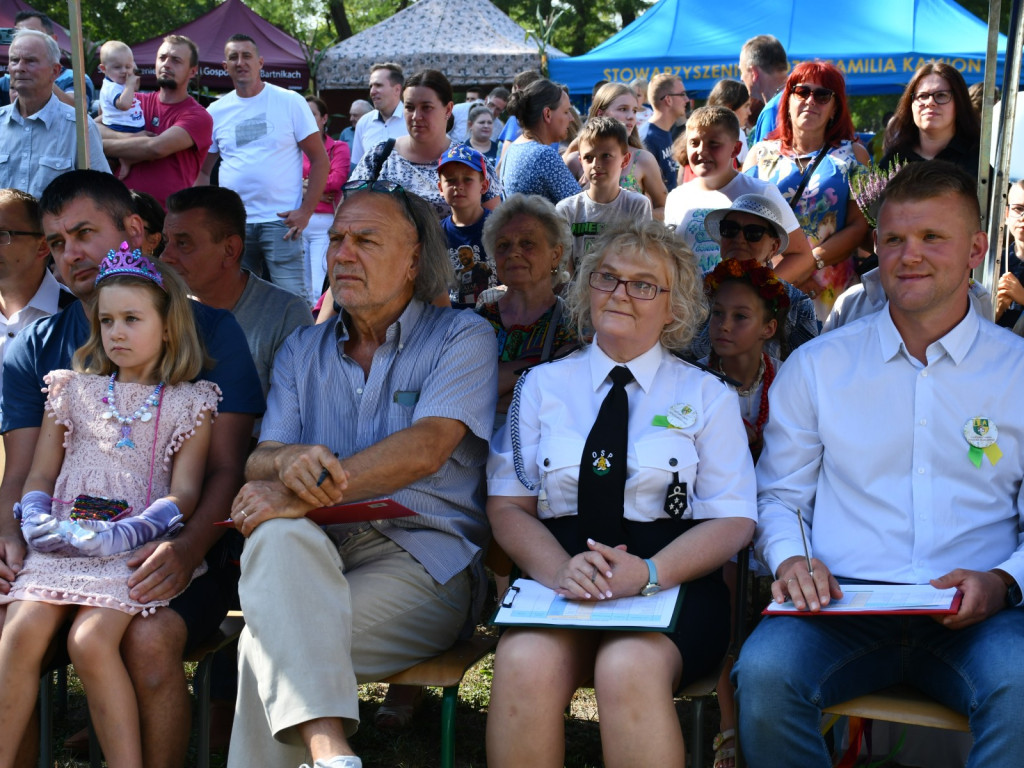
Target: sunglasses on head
<point>820,95</point>
<point>381,186</point>
<point>752,233</point>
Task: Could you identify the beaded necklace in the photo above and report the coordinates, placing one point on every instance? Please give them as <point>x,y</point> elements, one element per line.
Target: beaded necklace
<point>765,375</point>
<point>140,414</point>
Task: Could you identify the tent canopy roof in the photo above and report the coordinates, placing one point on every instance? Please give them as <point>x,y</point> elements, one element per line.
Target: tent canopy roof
<point>11,8</point>
<point>471,41</point>
<point>284,63</point>
<point>878,44</point>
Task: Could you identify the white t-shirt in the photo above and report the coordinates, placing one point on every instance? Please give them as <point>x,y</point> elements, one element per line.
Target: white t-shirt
<point>586,218</point>
<point>688,204</point>
<point>258,141</point>
<point>111,115</point>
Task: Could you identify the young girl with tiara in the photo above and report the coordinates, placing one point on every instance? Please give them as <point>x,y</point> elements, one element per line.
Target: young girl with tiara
<point>748,308</point>
<point>119,462</point>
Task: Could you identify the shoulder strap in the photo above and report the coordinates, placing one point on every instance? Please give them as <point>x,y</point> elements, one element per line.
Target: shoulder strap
<point>378,161</point>
<point>807,176</point>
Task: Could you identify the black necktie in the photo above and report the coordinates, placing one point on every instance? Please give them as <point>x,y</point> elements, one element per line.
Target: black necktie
<point>603,467</point>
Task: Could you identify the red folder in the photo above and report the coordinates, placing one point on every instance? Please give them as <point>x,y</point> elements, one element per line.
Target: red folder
<point>354,512</point>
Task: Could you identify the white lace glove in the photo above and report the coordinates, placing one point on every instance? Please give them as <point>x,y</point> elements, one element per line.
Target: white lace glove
<point>100,538</point>
<point>38,526</point>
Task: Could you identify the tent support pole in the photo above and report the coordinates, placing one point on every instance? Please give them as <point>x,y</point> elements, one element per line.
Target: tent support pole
<point>987,105</point>
<point>78,70</point>
<point>997,207</point>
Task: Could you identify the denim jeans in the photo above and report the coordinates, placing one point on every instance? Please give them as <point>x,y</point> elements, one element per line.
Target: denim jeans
<point>791,668</point>
<point>265,247</point>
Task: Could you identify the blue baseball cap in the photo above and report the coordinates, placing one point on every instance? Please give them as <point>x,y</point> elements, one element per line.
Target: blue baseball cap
<point>465,154</point>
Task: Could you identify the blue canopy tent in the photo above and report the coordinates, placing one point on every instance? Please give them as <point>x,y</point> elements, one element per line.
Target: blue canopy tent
<point>876,43</point>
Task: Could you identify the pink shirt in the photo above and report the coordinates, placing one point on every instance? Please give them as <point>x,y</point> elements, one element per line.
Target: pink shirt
<point>340,155</point>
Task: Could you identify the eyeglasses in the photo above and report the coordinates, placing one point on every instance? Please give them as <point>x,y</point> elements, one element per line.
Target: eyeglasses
<point>820,95</point>
<point>681,93</point>
<point>7,234</point>
<point>637,289</point>
<point>941,97</point>
<point>752,233</point>
<point>1017,211</point>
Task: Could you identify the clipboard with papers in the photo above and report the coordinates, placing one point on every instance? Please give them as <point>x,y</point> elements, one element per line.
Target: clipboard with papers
<point>880,600</point>
<point>528,603</point>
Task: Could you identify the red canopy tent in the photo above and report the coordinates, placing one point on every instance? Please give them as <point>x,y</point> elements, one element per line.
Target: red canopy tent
<point>283,61</point>
<point>11,8</point>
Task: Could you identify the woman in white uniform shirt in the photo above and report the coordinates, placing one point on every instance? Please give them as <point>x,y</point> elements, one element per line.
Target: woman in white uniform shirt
<point>641,293</point>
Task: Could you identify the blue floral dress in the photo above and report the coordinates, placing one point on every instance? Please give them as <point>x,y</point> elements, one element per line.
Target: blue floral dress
<point>821,209</point>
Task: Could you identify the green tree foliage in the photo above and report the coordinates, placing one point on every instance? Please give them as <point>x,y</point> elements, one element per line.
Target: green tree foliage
<point>132,22</point>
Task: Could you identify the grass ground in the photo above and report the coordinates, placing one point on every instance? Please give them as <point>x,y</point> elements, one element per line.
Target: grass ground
<point>420,746</point>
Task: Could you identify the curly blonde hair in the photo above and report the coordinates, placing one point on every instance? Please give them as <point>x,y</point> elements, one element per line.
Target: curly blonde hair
<point>654,242</point>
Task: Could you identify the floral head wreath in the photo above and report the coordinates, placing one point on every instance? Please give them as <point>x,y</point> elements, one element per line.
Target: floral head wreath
<point>126,262</point>
<point>761,279</point>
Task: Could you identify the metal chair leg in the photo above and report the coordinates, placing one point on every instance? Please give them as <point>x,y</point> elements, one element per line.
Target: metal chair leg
<point>46,720</point>
<point>449,698</point>
<point>697,733</point>
<point>201,688</point>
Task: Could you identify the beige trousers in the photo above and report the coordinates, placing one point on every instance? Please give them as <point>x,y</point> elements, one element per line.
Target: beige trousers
<point>320,617</point>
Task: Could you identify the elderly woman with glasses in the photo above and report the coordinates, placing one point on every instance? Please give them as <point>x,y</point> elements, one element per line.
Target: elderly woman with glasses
<point>812,151</point>
<point>934,120</point>
<point>622,471</point>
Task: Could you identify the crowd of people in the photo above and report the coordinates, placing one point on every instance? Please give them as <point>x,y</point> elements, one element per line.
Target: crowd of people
<point>621,348</point>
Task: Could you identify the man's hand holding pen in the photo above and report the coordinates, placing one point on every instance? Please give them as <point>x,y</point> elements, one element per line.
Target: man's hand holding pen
<point>809,590</point>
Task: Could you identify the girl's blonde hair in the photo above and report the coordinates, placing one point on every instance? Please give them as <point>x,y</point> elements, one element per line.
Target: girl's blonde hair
<point>184,355</point>
<point>603,99</point>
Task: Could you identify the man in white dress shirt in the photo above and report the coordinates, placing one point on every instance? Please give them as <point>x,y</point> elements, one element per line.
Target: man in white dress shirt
<point>387,120</point>
<point>899,439</point>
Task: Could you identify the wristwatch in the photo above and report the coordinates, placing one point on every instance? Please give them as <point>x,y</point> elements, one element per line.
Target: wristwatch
<point>652,587</point>
<point>1013,594</point>
<point>819,262</point>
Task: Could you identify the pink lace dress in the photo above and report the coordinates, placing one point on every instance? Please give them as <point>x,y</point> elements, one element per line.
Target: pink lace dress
<point>94,466</point>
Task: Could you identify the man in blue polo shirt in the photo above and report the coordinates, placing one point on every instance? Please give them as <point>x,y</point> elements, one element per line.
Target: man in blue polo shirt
<point>85,214</point>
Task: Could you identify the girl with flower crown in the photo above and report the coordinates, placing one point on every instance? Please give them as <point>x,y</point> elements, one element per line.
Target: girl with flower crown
<point>119,462</point>
<point>748,308</point>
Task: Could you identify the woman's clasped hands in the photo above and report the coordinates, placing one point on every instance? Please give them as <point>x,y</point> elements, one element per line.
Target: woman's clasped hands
<point>601,573</point>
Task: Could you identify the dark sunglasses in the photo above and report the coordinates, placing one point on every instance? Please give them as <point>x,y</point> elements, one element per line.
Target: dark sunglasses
<point>820,95</point>
<point>752,233</point>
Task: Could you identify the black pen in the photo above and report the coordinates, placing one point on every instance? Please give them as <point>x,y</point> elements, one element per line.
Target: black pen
<point>323,474</point>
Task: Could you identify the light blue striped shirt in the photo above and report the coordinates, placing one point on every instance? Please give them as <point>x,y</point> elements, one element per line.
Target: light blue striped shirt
<point>433,362</point>
<point>35,150</point>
